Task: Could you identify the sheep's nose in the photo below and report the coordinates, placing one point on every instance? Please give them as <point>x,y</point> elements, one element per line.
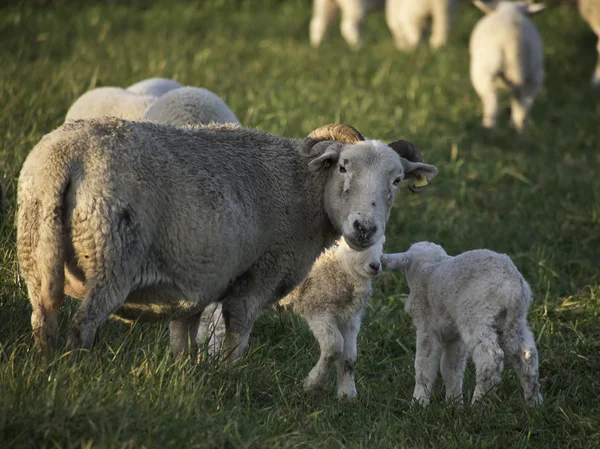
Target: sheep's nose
<point>365,232</point>
<point>374,266</point>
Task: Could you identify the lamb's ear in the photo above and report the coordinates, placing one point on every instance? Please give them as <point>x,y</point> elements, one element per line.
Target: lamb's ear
<point>534,8</point>
<point>419,173</point>
<point>484,6</point>
<point>397,261</point>
<point>324,154</point>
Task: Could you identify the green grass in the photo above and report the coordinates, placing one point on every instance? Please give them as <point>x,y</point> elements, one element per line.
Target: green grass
<point>536,198</point>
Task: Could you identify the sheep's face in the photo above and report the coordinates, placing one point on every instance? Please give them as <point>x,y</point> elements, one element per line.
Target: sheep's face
<point>363,181</point>
<point>364,263</point>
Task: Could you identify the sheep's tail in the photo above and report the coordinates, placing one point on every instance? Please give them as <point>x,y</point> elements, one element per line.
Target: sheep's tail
<point>50,251</point>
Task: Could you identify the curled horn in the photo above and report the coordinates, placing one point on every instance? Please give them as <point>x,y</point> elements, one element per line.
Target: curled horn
<point>338,132</point>
<point>407,150</point>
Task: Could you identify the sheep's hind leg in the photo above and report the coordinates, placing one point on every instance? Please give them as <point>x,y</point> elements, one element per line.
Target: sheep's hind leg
<point>452,366</point>
<point>211,330</point>
<point>331,344</point>
<point>521,103</point>
<point>352,17</point>
<point>44,322</point>
<point>347,362</point>
<point>183,333</point>
<point>323,12</point>
<point>427,362</point>
<point>522,354</point>
<point>239,314</point>
<point>488,357</point>
<point>100,301</point>
<point>440,28</point>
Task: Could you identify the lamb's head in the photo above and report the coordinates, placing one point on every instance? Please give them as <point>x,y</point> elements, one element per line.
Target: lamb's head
<point>525,7</point>
<point>365,264</point>
<point>420,252</point>
<point>363,178</point>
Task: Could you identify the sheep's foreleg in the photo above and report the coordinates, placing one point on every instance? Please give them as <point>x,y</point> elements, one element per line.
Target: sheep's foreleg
<point>347,363</point>
<point>182,334</point>
<point>427,362</point>
<point>323,12</point>
<point>331,344</point>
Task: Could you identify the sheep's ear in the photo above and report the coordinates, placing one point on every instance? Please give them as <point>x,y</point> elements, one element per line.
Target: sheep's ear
<point>534,8</point>
<point>485,7</point>
<point>398,261</point>
<point>324,155</point>
<point>419,174</point>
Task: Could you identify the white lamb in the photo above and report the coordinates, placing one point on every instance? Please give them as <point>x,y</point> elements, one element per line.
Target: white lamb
<point>190,106</point>
<point>590,11</point>
<point>332,299</point>
<point>154,87</point>
<point>474,303</point>
<point>111,102</point>
<point>407,18</point>
<point>505,45</point>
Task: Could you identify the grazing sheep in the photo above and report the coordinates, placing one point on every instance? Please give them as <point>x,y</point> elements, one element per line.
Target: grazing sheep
<point>154,87</point>
<point>505,45</point>
<point>190,106</point>
<point>590,11</point>
<point>332,299</point>
<point>407,18</point>
<point>474,303</point>
<point>109,102</point>
<point>148,221</point>
<point>353,12</point>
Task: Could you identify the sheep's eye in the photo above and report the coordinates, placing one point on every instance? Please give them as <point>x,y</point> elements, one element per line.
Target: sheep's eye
<point>342,169</point>
<point>397,181</point>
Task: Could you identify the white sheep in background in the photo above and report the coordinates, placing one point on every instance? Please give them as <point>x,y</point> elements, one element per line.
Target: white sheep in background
<point>110,102</point>
<point>190,106</point>
<point>154,87</point>
<point>505,45</point>
<point>407,18</point>
<point>590,11</point>
<point>353,12</point>
<point>332,299</point>
<point>474,303</point>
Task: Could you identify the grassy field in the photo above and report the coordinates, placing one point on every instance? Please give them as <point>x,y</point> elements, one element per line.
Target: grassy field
<point>536,198</point>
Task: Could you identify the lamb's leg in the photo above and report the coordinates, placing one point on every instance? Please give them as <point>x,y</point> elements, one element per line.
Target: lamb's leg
<point>331,344</point>
<point>488,357</point>
<point>522,354</point>
<point>101,299</point>
<point>353,13</point>
<point>596,77</point>
<point>183,334</point>
<point>484,86</point>
<point>44,322</point>
<point>212,329</point>
<point>440,28</point>
<point>521,102</point>
<point>452,366</point>
<point>346,364</point>
<point>427,362</point>
<point>323,12</point>
<point>407,33</point>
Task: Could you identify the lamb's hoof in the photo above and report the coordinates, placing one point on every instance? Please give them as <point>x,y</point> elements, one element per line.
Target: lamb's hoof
<point>312,388</point>
<point>535,400</point>
<point>348,393</point>
<point>488,123</point>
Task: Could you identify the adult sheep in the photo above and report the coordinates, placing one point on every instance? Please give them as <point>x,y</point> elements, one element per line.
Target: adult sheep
<point>590,11</point>
<point>109,102</point>
<point>190,106</point>
<point>154,87</point>
<point>147,221</point>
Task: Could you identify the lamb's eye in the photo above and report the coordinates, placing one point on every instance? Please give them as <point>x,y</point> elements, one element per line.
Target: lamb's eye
<point>397,181</point>
<point>342,169</point>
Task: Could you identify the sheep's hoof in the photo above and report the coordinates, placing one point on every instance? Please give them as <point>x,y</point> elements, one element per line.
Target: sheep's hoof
<point>349,393</point>
<point>535,400</point>
<point>313,388</point>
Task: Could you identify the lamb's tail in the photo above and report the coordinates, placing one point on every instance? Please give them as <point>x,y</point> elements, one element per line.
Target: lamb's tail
<point>50,251</point>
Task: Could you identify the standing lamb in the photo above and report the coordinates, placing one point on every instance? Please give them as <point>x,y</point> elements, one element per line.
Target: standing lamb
<point>474,303</point>
<point>190,106</point>
<point>407,18</point>
<point>332,300</point>
<point>590,11</point>
<point>505,45</point>
<point>110,102</point>
<point>148,221</point>
<point>154,87</point>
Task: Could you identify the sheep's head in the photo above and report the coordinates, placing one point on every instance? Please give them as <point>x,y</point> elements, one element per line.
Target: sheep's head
<point>364,263</point>
<point>525,7</point>
<point>421,252</point>
<point>363,178</point>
